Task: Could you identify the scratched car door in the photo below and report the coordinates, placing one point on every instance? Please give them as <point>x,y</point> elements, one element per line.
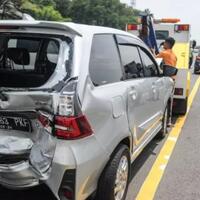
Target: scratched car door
<point>138,89</point>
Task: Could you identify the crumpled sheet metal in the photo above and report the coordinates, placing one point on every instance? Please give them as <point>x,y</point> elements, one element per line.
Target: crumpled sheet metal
<point>15,145</point>
<point>41,151</point>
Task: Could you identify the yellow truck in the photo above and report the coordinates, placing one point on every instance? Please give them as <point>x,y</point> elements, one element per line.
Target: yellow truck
<point>181,33</point>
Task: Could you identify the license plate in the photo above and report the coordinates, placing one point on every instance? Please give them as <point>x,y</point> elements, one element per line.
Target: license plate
<point>15,123</point>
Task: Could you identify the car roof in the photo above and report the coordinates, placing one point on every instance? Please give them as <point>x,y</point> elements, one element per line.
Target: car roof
<point>74,28</point>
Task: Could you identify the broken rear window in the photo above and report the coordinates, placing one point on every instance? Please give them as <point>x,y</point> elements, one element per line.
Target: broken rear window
<point>27,61</point>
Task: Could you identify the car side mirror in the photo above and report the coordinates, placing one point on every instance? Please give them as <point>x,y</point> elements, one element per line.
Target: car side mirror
<point>194,44</point>
<point>169,70</point>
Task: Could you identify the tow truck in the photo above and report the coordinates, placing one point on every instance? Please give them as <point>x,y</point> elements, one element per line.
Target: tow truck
<point>153,32</point>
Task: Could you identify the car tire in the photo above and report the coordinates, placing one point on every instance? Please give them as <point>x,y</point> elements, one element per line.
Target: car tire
<point>117,169</point>
<point>183,106</point>
<point>163,132</point>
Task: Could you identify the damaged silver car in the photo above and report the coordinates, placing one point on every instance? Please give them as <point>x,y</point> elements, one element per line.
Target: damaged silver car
<point>77,105</point>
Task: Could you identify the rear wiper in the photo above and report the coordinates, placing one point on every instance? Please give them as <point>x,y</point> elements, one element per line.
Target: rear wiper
<point>4,89</point>
<point>41,89</point>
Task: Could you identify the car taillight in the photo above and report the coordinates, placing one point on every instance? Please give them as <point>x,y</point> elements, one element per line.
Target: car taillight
<point>178,91</point>
<point>68,194</point>
<point>182,27</point>
<point>70,128</point>
<point>132,27</point>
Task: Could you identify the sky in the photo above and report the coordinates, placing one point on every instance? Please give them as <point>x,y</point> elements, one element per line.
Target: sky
<point>186,10</point>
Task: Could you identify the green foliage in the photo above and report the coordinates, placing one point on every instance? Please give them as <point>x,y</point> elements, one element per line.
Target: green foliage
<point>102,12</point>
<point>64,7</point>
<point>110,13</point>
<point>49,13</point>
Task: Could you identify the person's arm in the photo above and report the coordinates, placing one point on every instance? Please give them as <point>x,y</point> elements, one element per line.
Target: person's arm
<point>160,55</point>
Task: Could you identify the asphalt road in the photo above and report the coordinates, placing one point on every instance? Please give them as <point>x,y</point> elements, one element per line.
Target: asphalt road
<point>181,179</point>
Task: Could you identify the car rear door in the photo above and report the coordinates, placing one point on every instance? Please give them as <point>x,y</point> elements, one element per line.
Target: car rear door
<point>156,84</point>
<point>104,101</point>
<point>139,89</point>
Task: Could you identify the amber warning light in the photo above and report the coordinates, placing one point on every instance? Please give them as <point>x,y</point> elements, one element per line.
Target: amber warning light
<point>132,27</point>
<point>167,20</point>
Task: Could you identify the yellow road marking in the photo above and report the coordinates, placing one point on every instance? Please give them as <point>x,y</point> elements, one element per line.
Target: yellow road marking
<point>150,185</point>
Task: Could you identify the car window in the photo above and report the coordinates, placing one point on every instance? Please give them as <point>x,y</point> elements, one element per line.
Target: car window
<point>105,66</point>
<point>30,60</point>
<point>150,68</point>
<point>31,46</point>
<point>53,51</point>
<point>131,61</point>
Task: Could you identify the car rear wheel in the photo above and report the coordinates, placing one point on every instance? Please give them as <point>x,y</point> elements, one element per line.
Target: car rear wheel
<point>165,119</point>
<point>114,181</point>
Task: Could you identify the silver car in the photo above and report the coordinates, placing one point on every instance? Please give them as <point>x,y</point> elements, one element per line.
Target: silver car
<point>78,104</point>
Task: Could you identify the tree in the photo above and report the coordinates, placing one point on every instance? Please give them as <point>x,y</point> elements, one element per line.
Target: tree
<point>110,13</point>
<point>42,10</point>
<point>64,7</point>
<point>102,12</point>
<point>79,11</point>
<point>9,9</point>
<point>49,13</point>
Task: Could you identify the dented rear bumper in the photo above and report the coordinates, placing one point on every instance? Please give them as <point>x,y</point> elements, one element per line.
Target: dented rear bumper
<point>25,163</point>
<point>18,175</point>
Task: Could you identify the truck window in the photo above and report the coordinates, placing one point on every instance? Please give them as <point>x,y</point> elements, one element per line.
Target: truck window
<point>161,34</point>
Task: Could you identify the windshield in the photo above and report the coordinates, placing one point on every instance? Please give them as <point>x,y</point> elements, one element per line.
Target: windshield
<point>28,61</point>
<point>161,34</point>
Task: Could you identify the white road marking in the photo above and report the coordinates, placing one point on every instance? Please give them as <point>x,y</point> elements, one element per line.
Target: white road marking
<point>172,138</point>
<point>162,167</point>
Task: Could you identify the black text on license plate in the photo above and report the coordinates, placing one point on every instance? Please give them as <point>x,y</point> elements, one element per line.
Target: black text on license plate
<point>15,123</point>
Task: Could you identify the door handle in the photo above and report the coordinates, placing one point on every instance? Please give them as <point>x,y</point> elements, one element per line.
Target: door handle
<point>154,90</point>
<point>158,83</point>
<point>133,94</point>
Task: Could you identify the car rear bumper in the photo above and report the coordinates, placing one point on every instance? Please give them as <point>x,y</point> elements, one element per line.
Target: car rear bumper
<point>18,176</point>
<point>86,158</point>
<point>25,163</point>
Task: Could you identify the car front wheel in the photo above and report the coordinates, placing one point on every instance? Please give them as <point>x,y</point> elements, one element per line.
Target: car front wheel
<point>114,181</point>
